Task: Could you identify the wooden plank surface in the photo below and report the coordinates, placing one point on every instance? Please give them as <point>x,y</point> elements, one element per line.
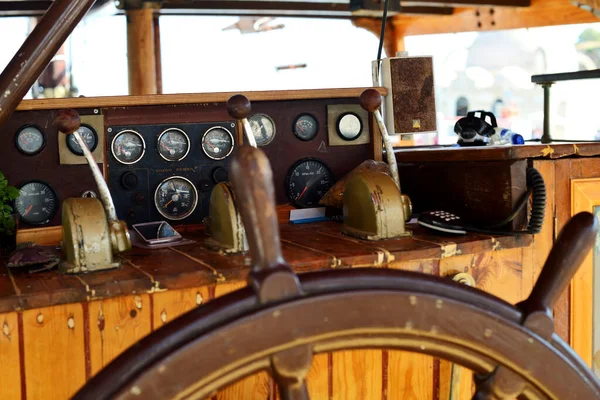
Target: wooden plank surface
<point>192,98</point>
<point>410,376</point>
<point>318,377</point>
<point>115,324</point>
<point>254,387</point>
<point>10,359</point>
<point>170,304</point>
<point>357,374</point>
<point>9,295</point>
<point>54,351</point>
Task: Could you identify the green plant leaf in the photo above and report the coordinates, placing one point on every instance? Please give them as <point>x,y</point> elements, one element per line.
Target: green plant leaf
<point>12,192</point>
<point>3,184</point>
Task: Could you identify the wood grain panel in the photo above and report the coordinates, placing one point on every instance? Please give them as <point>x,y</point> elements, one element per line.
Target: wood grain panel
<point>54,351</point>
<point>10,378</point>
<point>410,376</point>
<point>191,98</point>
<point>585,195</point>
<point>171,304</point>
<point>459,380</point>
<point>318,378</point>
<point>254,387</point>
<point>357,375</point>
<point>116,324</point>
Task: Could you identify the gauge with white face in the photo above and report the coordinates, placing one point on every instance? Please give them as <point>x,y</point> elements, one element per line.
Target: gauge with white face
<point>30,140</point>
<point>173,144</point>
<point>176,198</point>
<point>263,128</point>
<point>89,136</point>
<point>128,147</point>
<point>349,126</point>
<point>217,143</point>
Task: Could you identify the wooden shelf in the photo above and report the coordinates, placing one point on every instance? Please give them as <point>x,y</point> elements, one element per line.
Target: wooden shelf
<point>310,247</point>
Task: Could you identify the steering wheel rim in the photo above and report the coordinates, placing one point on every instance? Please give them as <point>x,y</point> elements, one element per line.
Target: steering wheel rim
<point>492,327</point>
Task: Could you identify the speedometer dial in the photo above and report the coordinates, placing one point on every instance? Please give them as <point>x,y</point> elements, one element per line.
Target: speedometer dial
<point>128,147</point>
<point>307,182</point>
<point>30,140</point>
<point>217,143</point>
<point>263,128</point>
<point>176,198</point>
<point>173,144</point>
<point>37,203</point>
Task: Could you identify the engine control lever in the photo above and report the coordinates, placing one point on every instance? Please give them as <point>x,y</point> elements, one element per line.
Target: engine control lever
<point>92,233</point>
<point>370,100</point>
<point>238,107</point>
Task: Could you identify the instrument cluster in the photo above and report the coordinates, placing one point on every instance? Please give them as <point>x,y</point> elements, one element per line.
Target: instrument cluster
<point>167,171</point>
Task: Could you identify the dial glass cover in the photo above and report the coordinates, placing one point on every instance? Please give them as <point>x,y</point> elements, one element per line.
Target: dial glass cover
<point>128,147</point>
<point>89,136</point>
<point>173,144</point>
<point>217,143</point>
<point>30,140</point>
<point>175,198</point>
<point>263,128</point>
<point>349,126</point>
<point>307,182</point>
<point>37,203</point>
<point>306,127</point>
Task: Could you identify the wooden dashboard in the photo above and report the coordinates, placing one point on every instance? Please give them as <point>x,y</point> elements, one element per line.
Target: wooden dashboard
<point>134,184</point>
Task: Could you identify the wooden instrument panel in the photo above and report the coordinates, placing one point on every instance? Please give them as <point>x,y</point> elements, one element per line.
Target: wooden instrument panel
<point>146,112</point>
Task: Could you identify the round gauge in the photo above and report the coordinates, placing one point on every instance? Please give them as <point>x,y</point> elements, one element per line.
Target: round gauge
<point>128,147</point>
<point>30,140</point>
<point>306,127</point>
<point>263,128</point>
<point>307,182</point>
<point>173,144</point>
<point>176,198</point>
<point>89,136</point>
<point>349,126</point>
<point>217,143</point>
<point>37,203</point>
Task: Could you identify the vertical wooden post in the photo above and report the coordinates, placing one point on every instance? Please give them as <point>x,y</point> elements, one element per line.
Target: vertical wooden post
<point>157,54</point>
<point>141,55</point>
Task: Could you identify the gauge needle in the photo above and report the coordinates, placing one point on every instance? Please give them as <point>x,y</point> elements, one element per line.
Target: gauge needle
<point>170,201</point>
<point>29,209</point>
<point>302,194</point>
<point>211,146</point>
<point>163,145</point>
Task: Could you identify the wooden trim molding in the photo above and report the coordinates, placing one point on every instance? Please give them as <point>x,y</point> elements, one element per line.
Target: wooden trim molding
<point>585,195</point>
<point>191,98</point>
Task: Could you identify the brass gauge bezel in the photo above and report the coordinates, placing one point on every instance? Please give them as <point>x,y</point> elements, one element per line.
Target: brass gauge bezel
<point>112,143</point>
<point>194,205</point>
<point>187,138</point>
<point>263,115</point>
<point>232,143</point>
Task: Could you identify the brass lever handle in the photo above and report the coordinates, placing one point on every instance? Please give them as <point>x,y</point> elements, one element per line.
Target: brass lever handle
<point>370,100</point>
<point>68,122</point>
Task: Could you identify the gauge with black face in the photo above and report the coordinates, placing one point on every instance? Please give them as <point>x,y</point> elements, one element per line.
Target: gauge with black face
<point>263,128</point>
<point>217,143</point>
<point>89,136</point>
<point>176,198</point>
<point>307,182</point>
<point>173,144</point>
<point>306,127</point>
<point>128,147</point>
<point>30,140</point>
<point>37,203</point>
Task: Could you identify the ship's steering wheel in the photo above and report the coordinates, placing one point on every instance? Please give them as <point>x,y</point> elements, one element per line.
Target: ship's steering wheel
<point>280,320</point>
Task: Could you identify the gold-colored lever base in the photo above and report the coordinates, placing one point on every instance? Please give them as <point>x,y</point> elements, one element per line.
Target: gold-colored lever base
<point>224,222</point>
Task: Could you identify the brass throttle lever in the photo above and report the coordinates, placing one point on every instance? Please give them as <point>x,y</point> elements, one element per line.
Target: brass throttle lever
<point>238,107</point>
<point>370,100</point>
<point>68,122</point>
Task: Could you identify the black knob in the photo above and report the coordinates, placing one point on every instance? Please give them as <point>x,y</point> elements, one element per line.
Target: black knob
<point>220,175</point>
<point>131,213</point>
<point>129,180</point>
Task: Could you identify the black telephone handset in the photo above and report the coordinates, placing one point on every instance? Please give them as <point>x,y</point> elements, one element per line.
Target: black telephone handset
<point>444,221</point>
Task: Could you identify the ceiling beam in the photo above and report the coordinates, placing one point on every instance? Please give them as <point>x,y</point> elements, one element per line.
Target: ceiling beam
<point>467,3</point>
